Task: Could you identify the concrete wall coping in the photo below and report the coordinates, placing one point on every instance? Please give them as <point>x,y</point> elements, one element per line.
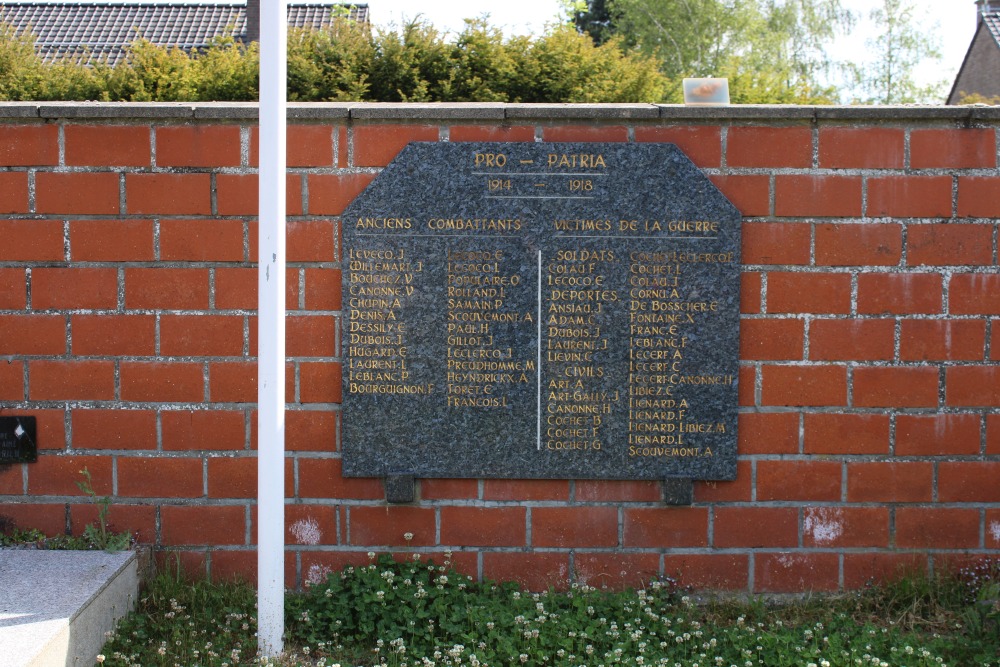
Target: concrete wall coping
<point>374,111</point>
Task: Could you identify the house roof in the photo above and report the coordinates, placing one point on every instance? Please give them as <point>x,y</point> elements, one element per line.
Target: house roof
<point>990,24</point>
<point>103,29</point>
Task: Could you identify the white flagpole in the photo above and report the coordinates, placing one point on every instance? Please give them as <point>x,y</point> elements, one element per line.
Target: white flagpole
<point>271,331</point>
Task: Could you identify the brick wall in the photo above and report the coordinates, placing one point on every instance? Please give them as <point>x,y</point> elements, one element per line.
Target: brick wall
<point>870,340</point>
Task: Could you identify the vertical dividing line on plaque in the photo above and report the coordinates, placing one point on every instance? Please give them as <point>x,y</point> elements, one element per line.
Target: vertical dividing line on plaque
<point>539,343</point>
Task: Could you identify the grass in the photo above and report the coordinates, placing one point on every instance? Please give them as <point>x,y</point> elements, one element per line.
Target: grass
<point>417,614</point>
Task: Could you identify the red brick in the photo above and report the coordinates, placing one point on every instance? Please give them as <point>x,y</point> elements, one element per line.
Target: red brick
<point>12,380</point>
<point>725,572</point>
<point>14,192</point>
<point>972,386</point>
<point>750,194</point>
<point>307,146</point>
<point>201,335</point>
<point>804,385</point>
<point>483,527</point>
<point>114,429</point>
<point>320,382</point>
<point>798,480</point>
<point>107,145</point>
<point>607,490</point>
<point>51,425</point>
<point>949,245</point>
<point>899,293</point>
<point>71,380</point>
<point>201,240</point>
<point>499,133</point>
<point>29,145</point>
<point>311,430</point>
<point>968,148</point>
<point>162,382</point>
<point>750,287</point>
<point>377,145</point>
<point>574,527</point>
<point>737,490</point>
<point>768,433</point>
<point>858,245</point>
<point>13,289</point>
<point>203,430</point>
<point>56,475</point>
<point>796,572</point>
<point>847,527</point>
<point>323,289</point>
<point>168,194</point>
<point>776,243</point>
<point>828,293</point>
<point>525,489</point>
<point>236,289</point>
<point>310,336</point>
<point>388,525</point>
<point>331,194</point>
<point>159,477</point>
<point>533,571</point>
<point>937,435</point>
<point>861,148</point>
<point>769,147</point>
<point>969,482</point>
<point>746,391</point>
<point>616,571</point>
<point>166,288</point>
<point>230,477</point>
<point>936,528</point>
<point>209,525</point>
<point>585,133</point>
<point>341,146</point>
<point>31,241</point>
<point>665,527</point>
<point>306,524</point>
<point>873,482</point>
<point>449,489</point>
<point>198,146</point>
<point>701,143</point>
<point>876,387</point>
<point>323,478</point>
<point>50,519</point>
<point>233,382</point>
<point>237,194</point>
<point>910,196</point>
<point>114,335</point>
<point>73,288</point>
<point>137,520</point>
<point>861,570</point>
<point>992,434</point>
<point>993,529</point>
<point>942,340</point>
<point>846,434</point>
<point>851,340</point>
<point>33,334</point>
<point>111,240</point>
<point>309,241</point>
<point>974,294</point>
<point>817,196</point>
<point>77,193</point>
<point>772,340</point>
<point>978,197</point>
<point>755,527</point>
<point>11,483</point>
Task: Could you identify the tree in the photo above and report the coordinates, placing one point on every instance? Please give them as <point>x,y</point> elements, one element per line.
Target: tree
<point>771,50</point>
<point>899,48</point>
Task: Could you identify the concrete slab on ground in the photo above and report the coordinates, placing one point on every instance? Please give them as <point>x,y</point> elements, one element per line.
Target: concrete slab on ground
<point>56,606</point>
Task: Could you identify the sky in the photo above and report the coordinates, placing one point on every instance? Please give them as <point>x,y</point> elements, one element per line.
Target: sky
<point>953,21</point>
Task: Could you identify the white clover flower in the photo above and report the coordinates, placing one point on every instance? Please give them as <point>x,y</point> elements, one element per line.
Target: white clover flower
<point>100,658</point>
<point>408,536</point>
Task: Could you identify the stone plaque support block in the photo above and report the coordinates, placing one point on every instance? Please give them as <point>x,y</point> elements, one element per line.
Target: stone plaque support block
<point>400,489</point>
<point>678,491</point>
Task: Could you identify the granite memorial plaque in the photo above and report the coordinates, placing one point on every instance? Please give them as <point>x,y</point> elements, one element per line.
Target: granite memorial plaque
<point>540,310</point>
<point>17,440</point>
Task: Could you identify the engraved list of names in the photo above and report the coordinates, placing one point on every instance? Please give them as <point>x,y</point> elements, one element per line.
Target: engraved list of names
<point>540,311</point>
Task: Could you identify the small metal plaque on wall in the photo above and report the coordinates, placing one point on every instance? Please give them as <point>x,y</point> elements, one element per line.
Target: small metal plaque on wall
<point>18,437</point>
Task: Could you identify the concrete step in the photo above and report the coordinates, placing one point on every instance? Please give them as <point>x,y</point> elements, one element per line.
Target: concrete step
<point>56,606</point>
